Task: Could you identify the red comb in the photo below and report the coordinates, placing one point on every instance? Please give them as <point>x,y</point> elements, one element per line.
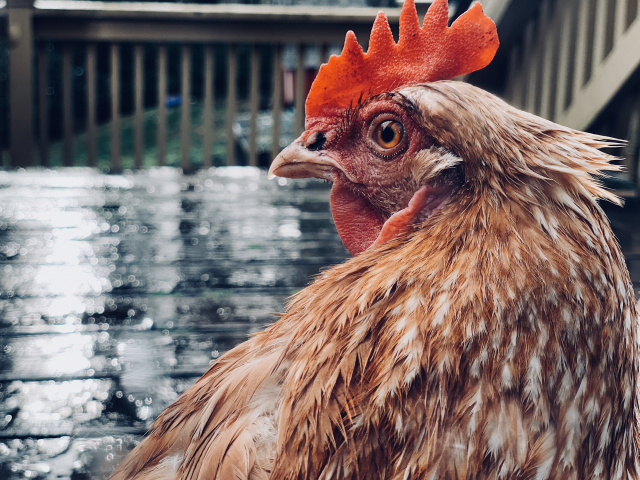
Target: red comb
<point>433,52</point>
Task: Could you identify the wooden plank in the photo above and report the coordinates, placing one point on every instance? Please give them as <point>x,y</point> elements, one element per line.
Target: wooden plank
<point>92,129</point>
<point>606,81</point>
<point>253,105</point>
<point>116,164</point>
<point>232,78</point>
<point>138,116</point>
<point>43,107</point>
<point>215,12</point>
<point>67,107</point>
<point>207,114</point>
<point>162,105</point>
<point>276,100</point>
<point>185,112</point>
<point>300,94</point>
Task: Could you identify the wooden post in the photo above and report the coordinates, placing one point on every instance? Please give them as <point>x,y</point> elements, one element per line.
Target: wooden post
<point>20,14</point>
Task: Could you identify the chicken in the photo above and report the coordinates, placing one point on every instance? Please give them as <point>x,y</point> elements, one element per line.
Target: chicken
<point>484,329</point>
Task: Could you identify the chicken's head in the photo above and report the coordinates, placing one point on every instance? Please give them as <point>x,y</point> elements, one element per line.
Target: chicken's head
<point>369,138</point>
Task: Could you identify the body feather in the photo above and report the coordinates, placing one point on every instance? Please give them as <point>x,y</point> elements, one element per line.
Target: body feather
<point>494,340</point>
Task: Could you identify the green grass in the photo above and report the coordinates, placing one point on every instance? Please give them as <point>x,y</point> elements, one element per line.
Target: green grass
<point>150,153</point>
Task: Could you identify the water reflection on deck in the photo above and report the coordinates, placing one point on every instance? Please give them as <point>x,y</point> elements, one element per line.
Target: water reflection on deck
<point>118,291</point>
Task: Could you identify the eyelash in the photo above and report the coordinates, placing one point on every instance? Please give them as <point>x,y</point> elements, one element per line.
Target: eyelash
<point>349,117</point>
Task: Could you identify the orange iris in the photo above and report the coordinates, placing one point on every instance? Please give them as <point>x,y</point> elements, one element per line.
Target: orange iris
<point>388,134</point>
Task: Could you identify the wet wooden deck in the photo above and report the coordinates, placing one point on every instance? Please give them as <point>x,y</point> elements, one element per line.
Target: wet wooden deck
<point>118,291</point>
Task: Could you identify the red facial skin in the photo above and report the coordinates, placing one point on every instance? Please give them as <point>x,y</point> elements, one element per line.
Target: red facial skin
<point>371,183</point>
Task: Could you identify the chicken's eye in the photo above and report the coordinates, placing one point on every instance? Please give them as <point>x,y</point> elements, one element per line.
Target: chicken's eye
<point>387,136</point>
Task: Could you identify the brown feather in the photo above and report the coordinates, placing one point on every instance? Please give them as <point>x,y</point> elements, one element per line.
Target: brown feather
<point>495,340</point>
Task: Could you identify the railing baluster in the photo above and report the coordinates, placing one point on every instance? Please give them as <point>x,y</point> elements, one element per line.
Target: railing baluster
<point>631,152</point>
<point>299,91</point>
<point>535,60</point>
<point>67,106</point>
<point>548,44</point>
<point>92,130</point>
<point>564,64</point>
<point>185,114</point>
<point>524,79</point>
<point>277,100</point>
<point>232,76</point>
<point>324,51</point>
<point>20,74</point>
<point>599,37</point>
<point>162,105</point>
<point>138,118</point>
<point>43,81</point>
<point>253,105</point>
<point>512,72</point>
<point>115,107</point>
<point>632,12</point>
<point>208,113</point>
<point>620,20</point>
<point>581,49</point>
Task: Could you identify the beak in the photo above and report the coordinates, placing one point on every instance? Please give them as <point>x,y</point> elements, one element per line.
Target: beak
<point>297,161</point>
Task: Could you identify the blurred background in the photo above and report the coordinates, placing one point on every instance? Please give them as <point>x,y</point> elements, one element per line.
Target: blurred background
<point>139,236</point>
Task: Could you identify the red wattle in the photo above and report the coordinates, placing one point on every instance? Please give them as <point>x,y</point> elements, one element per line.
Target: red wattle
<point>358,224</point>
<point>399,221</point>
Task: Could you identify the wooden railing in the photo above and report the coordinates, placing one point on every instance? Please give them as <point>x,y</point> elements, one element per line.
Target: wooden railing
<point>568,59</point>
<point>119,59</point>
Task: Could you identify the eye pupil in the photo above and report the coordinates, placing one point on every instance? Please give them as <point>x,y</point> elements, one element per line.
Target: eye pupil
<point>388,133</point>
